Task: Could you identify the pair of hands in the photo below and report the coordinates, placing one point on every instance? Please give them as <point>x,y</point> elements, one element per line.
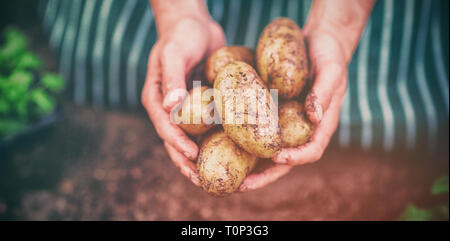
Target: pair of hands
<point>188,41</point>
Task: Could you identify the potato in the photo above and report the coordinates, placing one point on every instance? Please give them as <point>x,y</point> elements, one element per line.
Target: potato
<point>198,108</point>
<point>254,130</point>
<point>225,55</point>
<point>296,129</point>
<point>222,165</point>
<point>281,57</point>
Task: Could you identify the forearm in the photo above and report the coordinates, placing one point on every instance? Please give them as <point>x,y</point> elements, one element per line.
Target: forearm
<point>343,19</point>
<point>168,12</point>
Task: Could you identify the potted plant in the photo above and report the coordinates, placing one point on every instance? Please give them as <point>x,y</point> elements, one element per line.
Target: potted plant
<point>29,96</point>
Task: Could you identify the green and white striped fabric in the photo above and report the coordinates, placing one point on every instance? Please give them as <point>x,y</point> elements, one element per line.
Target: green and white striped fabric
<point>398,88</point>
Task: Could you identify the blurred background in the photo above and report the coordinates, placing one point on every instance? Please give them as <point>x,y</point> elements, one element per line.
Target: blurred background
<point>66,156</point>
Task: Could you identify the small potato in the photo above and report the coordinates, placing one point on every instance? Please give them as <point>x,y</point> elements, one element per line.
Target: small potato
<point>281,58</point>
<point>252,123</point>
<point>198,107</point>
<point>225,55</point>
<point>296,129</point>
<point>222,165</point>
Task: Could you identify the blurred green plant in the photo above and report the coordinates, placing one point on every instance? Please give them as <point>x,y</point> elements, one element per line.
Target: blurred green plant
<point>440,186</point>
<point>27,93</point>
<point>414,213</point>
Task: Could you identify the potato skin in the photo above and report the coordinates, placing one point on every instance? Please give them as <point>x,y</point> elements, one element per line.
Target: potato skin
<point>258,138</point>
<point>225,55</point>
<point>222,165</point>
<point>194,129</point>
<point>281,58</point>
<point>296,129</point>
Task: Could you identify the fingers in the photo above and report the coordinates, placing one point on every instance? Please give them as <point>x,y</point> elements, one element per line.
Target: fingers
<point>187,167</point>
<point>327,78</point>
<point>173,65</point>
<point>313,150</point>
<point>185,48</point>
<point>153,78</point>
<point>269,175</point>
<point>152,101</point>
<point>171,133</point>
<point>219,37</point>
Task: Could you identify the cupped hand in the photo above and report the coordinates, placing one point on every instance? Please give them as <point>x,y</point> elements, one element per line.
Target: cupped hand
<point>179,48</point>
<point>328,67</point>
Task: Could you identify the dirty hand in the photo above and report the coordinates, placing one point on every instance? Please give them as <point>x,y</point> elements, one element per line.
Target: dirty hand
<point>332,32</point>
<point>186,34</point>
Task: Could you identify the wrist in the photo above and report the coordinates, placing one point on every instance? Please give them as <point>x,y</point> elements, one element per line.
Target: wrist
<point>346,43</point>
<point>343,20</point>
<point>170,12</point>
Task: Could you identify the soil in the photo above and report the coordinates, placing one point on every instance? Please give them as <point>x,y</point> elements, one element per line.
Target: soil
<point>111,165</point>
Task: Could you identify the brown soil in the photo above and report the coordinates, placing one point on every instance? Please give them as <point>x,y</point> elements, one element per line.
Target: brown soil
<point>112,166</point>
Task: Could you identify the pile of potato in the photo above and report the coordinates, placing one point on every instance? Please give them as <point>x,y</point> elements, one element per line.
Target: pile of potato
<point>228,154</point>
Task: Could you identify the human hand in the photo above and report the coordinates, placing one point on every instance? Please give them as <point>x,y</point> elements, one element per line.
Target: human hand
<point>322,105</point>
<point>323,102</point>
<point>183,42</point>
<point>331,36</point>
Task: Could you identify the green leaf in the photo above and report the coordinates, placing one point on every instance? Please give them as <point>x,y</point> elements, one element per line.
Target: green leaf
<point>42,100</point>
<point>5,107</point>
<point>13,95</point>
<point>13,34</point>
<point>11,126</point>
<point>28,61</point>
<point>15,44</point>
<point>53,82</point>
<point>440,186</point>
<point>21,108</point>
<point>3,82</point>
<point>21,78</point>
<point>413,213</point>
<point>17,85</point>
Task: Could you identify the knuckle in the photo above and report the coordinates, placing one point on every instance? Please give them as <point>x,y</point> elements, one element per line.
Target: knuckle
<point>293,161</point>
<point>243,189</point>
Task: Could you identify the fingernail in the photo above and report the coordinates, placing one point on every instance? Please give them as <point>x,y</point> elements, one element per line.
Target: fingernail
<point>168,103</point>
<point>173,98</point>
<point>281,160</point>
<point>194,178</point>
<point>313,108</point>
<point>188,155</point>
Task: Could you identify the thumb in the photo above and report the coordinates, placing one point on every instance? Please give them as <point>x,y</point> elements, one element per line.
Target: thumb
<point>174,76</point>
<point>218,37</point>
<point>326,81</point>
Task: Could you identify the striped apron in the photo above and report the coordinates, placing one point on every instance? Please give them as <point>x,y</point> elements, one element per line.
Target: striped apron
<point>397,96</point>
